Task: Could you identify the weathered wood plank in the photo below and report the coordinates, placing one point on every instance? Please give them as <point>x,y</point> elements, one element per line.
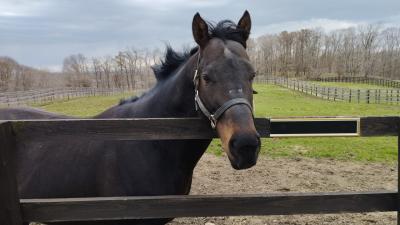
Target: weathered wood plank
<point>380,126</point>
<point>263,126</point>
<point>124,129</point>
<point>10,213</point>
<point>316,126</point>
<point>194,128</point>
<point>51,210</point>
<point>398,177</point>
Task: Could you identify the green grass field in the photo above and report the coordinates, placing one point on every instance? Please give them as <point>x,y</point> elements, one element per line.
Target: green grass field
<point>350,85</point>
<point>273,101</point>
<point>83,107</point>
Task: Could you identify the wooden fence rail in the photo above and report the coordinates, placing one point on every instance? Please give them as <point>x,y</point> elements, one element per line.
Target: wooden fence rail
<point>13,211</point>
<point>48,95</point>
<point>89,209</point>
<point>362,80</point>
<point>369,96</point>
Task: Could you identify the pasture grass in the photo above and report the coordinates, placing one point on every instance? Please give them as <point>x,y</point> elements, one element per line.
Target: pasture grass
<point>350,85</point>
<point>84,106</point>
<point>274,101</point>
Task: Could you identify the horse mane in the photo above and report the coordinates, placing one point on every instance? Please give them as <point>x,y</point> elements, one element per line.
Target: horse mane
<point>128,100</point>
<point>172,60</point>
<point>224,30</point>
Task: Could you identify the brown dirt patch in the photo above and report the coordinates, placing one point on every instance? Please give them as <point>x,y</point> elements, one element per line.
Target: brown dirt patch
<point>214,175</point>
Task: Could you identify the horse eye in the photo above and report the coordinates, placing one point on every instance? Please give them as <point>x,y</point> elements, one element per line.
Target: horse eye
<point>252,76</point>
<point>206,78</point>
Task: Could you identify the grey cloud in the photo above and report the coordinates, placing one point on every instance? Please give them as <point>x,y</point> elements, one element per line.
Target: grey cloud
<point>40,33</point>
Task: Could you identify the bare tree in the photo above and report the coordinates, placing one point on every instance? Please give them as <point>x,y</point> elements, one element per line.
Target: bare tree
<point>7,66</point>
<point>355,51</point>
<point>368,40</point>
<point>96,65</point>
<point>77,70</point>
<point>106,67</point>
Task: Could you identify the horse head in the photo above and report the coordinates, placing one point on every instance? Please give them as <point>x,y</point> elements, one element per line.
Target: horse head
<point>223,80</point>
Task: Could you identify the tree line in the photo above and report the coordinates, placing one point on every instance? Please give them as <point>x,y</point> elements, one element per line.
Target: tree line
<point>368,51</point>
<point>17,77</point>
<point>129,69</point>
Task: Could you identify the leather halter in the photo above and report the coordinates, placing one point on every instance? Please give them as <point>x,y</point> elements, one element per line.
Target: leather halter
<point>213,117</point>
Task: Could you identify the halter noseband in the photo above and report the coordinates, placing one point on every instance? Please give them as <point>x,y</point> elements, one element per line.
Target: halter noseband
<point>213,117</point>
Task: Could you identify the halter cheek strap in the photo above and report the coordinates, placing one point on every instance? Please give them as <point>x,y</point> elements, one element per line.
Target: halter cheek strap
<point>213,117</point>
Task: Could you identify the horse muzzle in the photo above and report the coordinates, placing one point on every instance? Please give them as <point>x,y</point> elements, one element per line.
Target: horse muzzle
<point>244,150</point>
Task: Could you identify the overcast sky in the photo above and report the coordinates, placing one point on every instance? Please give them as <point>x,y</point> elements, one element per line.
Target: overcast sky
<point>41,33</point>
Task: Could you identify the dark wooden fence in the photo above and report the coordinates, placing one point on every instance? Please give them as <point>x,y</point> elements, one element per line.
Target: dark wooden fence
<point>362,80</point>
<point>19,98</point>
<point>14,210</point>
<point>369,96</point>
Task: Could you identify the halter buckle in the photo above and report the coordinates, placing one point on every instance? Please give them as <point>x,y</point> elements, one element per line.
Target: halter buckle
<point>213,121</point>
<point>195,76</point>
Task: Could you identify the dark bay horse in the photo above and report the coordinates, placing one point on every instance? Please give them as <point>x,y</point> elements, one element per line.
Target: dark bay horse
<point>213,81</point>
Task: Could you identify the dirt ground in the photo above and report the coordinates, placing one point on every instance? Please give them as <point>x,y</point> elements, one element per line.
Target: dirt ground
<point>214,175</point>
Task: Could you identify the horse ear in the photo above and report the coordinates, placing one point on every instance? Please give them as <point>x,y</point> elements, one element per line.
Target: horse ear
<point>245,24</point>
<point>200,31</point>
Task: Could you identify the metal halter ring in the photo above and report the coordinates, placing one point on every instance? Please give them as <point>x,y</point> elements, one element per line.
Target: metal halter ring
<point>213,121</point>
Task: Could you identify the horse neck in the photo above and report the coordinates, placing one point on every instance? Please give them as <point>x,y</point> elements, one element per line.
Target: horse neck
<point>173,97</point>
<point>178,92</point>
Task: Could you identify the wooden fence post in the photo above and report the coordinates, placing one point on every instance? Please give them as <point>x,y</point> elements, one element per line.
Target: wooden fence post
<point>391,96</point>
<point>358,96</point>
<point>387,95</point>
<point>329,90</point>
<point>10,213</point>
<point>367,96</point>
<point>342,94</point>
<point>349,95</point>
<point>379,96</point>
<point>398,174</point>
<point>335,96</point>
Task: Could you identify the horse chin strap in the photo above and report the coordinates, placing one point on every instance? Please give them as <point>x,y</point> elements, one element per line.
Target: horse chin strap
<point>213,117</point>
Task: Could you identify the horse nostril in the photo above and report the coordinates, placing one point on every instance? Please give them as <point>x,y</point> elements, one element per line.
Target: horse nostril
<point>244,149</point>
<point>233,143</point>
<point>245,142</point>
